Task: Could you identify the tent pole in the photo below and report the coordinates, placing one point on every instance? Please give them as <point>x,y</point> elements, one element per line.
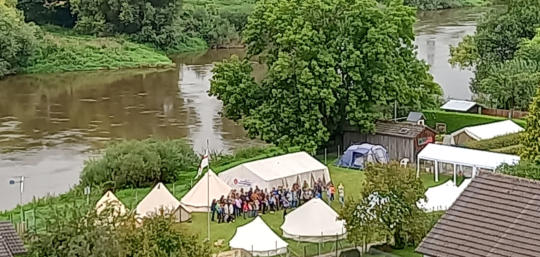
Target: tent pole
<point>436,171</point>
<point>417,167</point>
<point>455,180</point>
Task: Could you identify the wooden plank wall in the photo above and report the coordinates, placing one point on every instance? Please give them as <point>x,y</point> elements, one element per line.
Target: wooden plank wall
<point>397,147</point>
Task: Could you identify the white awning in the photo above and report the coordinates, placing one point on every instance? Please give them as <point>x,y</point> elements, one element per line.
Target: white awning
<point>490,130</point>
<point>466,157</point>
<point>458,105</point>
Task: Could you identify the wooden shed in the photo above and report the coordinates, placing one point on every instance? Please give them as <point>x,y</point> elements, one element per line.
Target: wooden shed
<point>401,139</point>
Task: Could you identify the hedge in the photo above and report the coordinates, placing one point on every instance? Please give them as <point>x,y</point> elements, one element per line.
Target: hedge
<point>455,120</point>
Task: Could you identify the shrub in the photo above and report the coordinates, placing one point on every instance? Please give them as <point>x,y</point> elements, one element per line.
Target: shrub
<point>17,39</point>
<point>140,163</point>
<point>495,143</point>
<point>455,120</point>
<point>525,169</point>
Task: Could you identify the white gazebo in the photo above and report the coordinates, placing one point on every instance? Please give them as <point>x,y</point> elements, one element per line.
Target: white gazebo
<point>314,221</point>
<point>258,239</point>
<point>463,157</point>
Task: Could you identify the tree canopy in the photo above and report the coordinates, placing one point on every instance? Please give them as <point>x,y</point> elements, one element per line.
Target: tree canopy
<point>503,71</point>
<point>531,136</point>
<point>387,209</point>
<point>330,63</point>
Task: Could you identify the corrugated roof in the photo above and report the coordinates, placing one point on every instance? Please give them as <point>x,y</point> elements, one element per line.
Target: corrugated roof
<point>496,215</point>
<point>415,116</point>
<point>400,129</point>
<point>458,105</point>
<point>11,238</point>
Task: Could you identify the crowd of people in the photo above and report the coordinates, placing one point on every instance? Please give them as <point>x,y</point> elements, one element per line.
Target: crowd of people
<point>252,202</point>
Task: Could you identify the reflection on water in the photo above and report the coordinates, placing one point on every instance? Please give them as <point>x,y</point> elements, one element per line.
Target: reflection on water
<point>49,124</point>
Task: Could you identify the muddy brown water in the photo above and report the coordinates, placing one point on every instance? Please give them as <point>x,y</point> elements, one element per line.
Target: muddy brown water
<point>50,124</point>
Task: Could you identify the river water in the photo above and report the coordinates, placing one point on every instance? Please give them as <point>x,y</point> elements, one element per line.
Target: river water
<point>50,124</point>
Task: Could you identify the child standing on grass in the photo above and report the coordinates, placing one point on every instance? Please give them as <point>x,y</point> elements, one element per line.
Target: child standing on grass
<point>341,191</point>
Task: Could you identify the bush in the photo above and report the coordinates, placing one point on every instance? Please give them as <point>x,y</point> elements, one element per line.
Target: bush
<point>43,12</point>
<point>208,24</point>
<point>495,143</point>
<point>17,39</point>
<point>455,120</point>
<point>140,163</point>
<point>525,169</point>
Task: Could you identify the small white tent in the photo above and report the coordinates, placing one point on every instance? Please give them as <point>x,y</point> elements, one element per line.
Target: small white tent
<point>198,200</point>
<point>314,221</point>
<point>258,239</point>
<point>485,131</point>
<point>109,200</point>
<point>284,170</point>
<point>158,201</point>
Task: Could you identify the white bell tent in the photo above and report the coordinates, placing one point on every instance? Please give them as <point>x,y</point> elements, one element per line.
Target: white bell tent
<point>284,170</point>
<point>209,187</point>
<point>158,201</point>
<point>314,221</point>
<point>258,239</point>
<point>109,200</point>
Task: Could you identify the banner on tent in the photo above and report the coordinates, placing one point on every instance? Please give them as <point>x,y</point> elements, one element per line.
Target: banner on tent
<point>242,182</point>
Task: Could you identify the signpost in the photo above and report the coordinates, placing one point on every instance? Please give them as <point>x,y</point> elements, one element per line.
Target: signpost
<point>87,193</point>
<point>19,180</point>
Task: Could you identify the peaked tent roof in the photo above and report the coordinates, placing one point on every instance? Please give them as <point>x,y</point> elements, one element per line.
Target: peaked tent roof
<point>284,166</point>
<point>196,200</point>
<point>491,130</point>
<point>256,237</point>
<point>109,199</point>
<point>314,221</point>
<point>466,156</point>
<point>458,105</point>
<point>158,199</point>
<point>10,240</point>
<point>496,215</point>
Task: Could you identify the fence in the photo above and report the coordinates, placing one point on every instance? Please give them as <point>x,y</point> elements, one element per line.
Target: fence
<point>504,113</point>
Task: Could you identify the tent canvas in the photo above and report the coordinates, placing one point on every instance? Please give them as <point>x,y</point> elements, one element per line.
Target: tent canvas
<point>284,170</point>
<point>443,196</point>
<point>356,156</point>
<point>182,213</point>
<point>258,239</point>
<point>109,200</point>
<point>488,131</point>
<point>314,221</point>
<point>157,201</point>
<point>197,200</point>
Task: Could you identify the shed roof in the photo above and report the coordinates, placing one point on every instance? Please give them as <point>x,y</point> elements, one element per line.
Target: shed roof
<point>458,105</point>
<point>399,129</point>
<point>496,215</point>
<point>415,116</point>
<point>466,156</point>
<point>10,240</point>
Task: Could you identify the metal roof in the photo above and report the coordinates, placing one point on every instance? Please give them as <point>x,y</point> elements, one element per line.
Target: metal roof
<point>415,116</point>
<point>496,215</point>
<point>10,239</point>
<point>458,105</point>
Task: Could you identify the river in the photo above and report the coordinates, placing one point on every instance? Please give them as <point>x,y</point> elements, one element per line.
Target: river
<point>50,124</point>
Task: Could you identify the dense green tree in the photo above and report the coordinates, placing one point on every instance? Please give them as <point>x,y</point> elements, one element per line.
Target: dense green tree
<point>531,136</point>
<point>17,38</point>
<point>140,163</point>
<point>55,12</point>
<point>330,63</point>
<point>496,41</point>
<point>388,207</point>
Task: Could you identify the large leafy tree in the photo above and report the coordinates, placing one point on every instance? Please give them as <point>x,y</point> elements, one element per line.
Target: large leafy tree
<point>493,51</point>
<point>330,63</point>
<point>388,208</point>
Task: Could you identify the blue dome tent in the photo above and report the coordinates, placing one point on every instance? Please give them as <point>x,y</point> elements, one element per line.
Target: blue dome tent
<point>356,156</point>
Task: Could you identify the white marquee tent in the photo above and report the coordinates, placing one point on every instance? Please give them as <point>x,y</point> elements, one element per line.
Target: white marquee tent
<point>157,201</point>
<point>284,170</point>
<point>443,196</point>
<point>258,239</point>
<point>475,159</point>
<point>199,197</point>
<point>314,221</point>
<point>109,200</point>
<point>486,131</point>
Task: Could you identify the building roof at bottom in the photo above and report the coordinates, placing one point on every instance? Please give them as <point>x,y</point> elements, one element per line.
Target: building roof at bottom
<point>11,239</point>
<point>496,215</point>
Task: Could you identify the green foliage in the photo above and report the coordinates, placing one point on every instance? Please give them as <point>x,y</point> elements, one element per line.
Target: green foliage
<point>17,39</point>
<point>140,163</point>
<point>525,169</point>
<point>442,4</point>
<point>329,63</point>
<point>208,24</point>
<point>496,143</point>
<point>84,233</point>
<point>62,50</point>
<point>388,207</point>
<point>56,12</point>
<point>531,137</point>
<point>455,121</point>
